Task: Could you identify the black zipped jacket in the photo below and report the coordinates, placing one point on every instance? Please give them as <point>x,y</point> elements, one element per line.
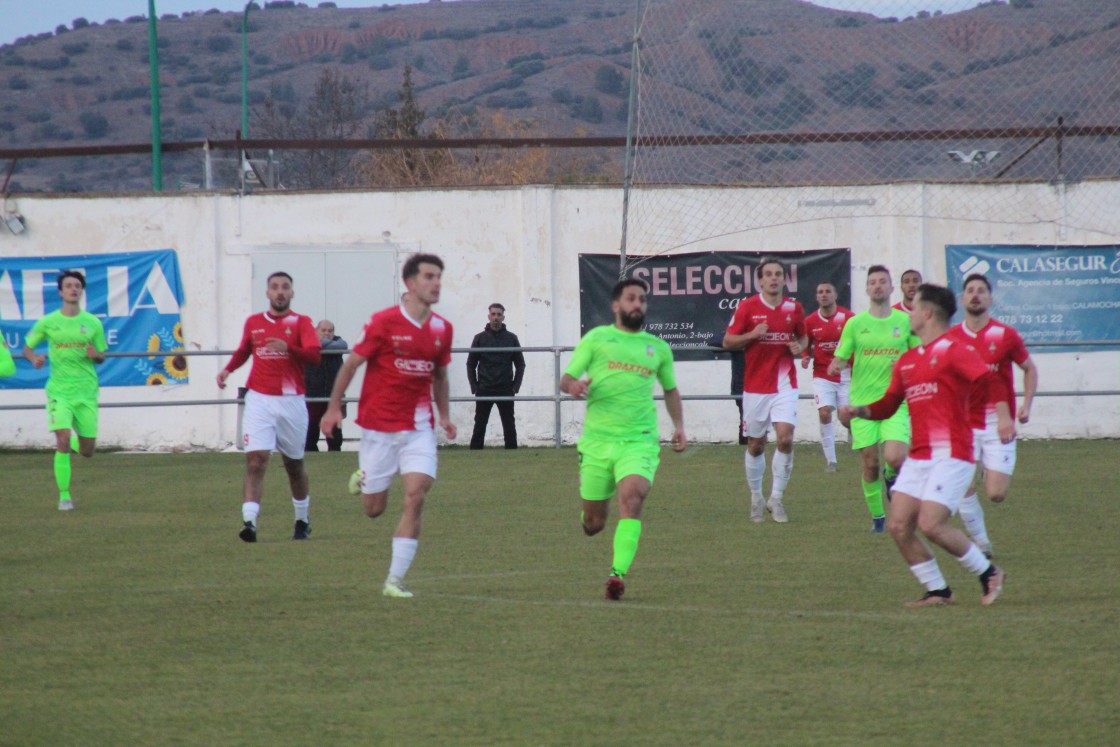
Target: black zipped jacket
<point>499,372</point>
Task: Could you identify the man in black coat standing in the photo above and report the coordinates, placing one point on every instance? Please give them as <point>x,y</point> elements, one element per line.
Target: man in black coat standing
<point>319,380</point>
<point>496,374</point>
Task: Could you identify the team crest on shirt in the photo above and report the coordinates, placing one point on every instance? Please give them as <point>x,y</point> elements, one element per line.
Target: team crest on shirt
<point>788,318</point>
<point>897,332</point>
<point>649,350</point>
<point>992,348</point>
<point>83,330</point>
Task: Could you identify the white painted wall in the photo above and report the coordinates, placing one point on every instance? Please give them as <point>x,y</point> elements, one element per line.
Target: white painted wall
<point>518,246</point>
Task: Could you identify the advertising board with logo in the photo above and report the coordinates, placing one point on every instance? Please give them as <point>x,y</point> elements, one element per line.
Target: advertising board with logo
<point>1064,294</point>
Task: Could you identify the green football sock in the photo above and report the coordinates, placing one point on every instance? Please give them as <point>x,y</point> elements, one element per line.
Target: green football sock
<point>873,494</point>
<point>62,475</point>
<point>626,544</point>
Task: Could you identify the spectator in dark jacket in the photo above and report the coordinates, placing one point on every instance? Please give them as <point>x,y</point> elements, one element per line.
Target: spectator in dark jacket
<point>320,380</point>
<point>496,374</point>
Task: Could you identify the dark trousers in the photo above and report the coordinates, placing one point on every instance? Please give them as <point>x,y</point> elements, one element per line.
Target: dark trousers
<point>482,417</point>
<point>739,401</point>
<point>315,413</point>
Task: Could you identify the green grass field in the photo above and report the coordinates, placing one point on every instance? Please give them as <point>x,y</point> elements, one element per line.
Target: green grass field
<point>141,619</point>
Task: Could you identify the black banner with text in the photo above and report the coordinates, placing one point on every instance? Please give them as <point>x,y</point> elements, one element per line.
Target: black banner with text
<point>692,296</point>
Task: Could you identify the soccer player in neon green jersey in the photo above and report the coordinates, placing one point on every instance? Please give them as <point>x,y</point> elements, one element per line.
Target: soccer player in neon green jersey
<point>619,450</point>
<point>871,342</point>
<point>76,341</point>
<point>7,363</point>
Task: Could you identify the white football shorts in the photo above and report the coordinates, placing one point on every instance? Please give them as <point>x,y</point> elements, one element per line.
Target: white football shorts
<point>275,421</point>
<point>382,455</point>
<point>943,480</point>
<point>988,450</point>
<point>830,393</point>
<point>760,410</point>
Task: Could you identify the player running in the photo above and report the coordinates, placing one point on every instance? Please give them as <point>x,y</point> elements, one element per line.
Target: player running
<point>999,345</point>
<point>619,449</point>
<point>822,329</point>
<point>75,344</point>
<point>406,350</point>
<point>772,330</point>
<point>936,380</point>
<point>280,342</point>
<point>871,343</point>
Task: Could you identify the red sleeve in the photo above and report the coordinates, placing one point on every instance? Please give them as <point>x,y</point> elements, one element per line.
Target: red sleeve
<point>799,325</point>
<point>1019,352</point>
<point>971,366</point>
<point>244,350</point>
<point>891,399</point>
<point>445,354</point>
<point>309,352</point>
<point>740,325</point>
<point>367,346</point>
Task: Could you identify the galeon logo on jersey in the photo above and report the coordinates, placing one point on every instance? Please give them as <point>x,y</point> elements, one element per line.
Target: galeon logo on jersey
<point>925,389</point>
<point>413,366</point>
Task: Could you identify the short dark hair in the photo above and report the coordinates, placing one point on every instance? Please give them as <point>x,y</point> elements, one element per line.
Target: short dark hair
<point>826,282</point>
<point>412,265</point>
<point>878,268</point>
<point>940,297</point>
<point>71,274</point>
<point>496,306</point>
<point>907,272</point>
<point>977,276</point>
<point>279,274</point>
<point>621,285</point>
<point>769,259</point>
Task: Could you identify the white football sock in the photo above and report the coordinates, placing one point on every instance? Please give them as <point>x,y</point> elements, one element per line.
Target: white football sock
<point>972,516</point>
<point>780,467</point>
<point>756,468</point>
<point>250,512</point>
<point>828,441</point>
<point>929,575</point>
<point>404,550</point>
<point>301,507</point>
<point>974,561</point>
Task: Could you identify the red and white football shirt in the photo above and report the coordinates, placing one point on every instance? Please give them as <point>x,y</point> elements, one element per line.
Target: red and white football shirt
<point>901,306</point>
<point>1000,346</point>
<point>401,356</point>
<point>824,336</point>
<point>936,381</point>
<point>274,371</point>
<point>769,363</point>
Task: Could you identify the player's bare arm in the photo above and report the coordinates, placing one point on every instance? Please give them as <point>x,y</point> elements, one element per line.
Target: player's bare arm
<point>1005,424</point>
<point>36,359</point>
<point>574,387</point>
<point>796,346</point>
<point>836,366</point>
<point>332,418</point>
<point>94,354</point>
<point>441,393</point>
<point>1030,386</point>
<point>679,440</point>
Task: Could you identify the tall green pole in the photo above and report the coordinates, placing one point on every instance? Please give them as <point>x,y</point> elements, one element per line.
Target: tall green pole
<point>245,70</point>
<point>153,71</point>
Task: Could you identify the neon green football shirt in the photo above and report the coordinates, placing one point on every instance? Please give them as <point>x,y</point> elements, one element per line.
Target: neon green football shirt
<point>7,364</point>
<point>622,367</point>
<point>72,371</point>
<point>875,344</point>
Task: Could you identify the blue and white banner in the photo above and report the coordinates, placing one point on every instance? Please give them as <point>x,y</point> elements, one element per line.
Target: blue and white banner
<point>136,295</point>
<point>1062,294</point>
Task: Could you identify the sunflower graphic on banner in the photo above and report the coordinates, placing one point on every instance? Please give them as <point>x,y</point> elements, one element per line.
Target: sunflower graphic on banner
<point>136,295</point>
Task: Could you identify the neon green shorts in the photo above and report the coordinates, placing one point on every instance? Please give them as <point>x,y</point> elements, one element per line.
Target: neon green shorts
<point>602,464</point>
<point>874,432</point>
<point>79,414</point>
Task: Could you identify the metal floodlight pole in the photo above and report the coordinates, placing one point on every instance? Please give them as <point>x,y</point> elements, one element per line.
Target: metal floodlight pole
<point>245,75</point>
<point>153,72</point>
<point>628,172</point>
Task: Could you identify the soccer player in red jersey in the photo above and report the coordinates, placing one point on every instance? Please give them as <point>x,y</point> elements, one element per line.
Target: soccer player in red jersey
<point>822,329</point>
<point>936,380</point>
<point>280,343</point>
<point>407,349</point>
<point>1000,346</point>
<point>909,283</point>
<point>771,328</point>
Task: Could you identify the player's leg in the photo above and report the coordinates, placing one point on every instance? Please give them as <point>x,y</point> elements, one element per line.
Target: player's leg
<point>418,474</point>
<point>378,462</point>
<point>865,439</point>
<point>756,424</point>
<point>60,421</point>
<point>291,429</point>
<point>481,419</point>
<point>258,426</point>
<point>826,399</point>
<point>894,433</point>
<point>596,483</point>
<point>781,466</point>
<point>903,526</point>
<point>948,481</point>
<point>634,471</point>
<point>509,424</point>
<point>85,413</point>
